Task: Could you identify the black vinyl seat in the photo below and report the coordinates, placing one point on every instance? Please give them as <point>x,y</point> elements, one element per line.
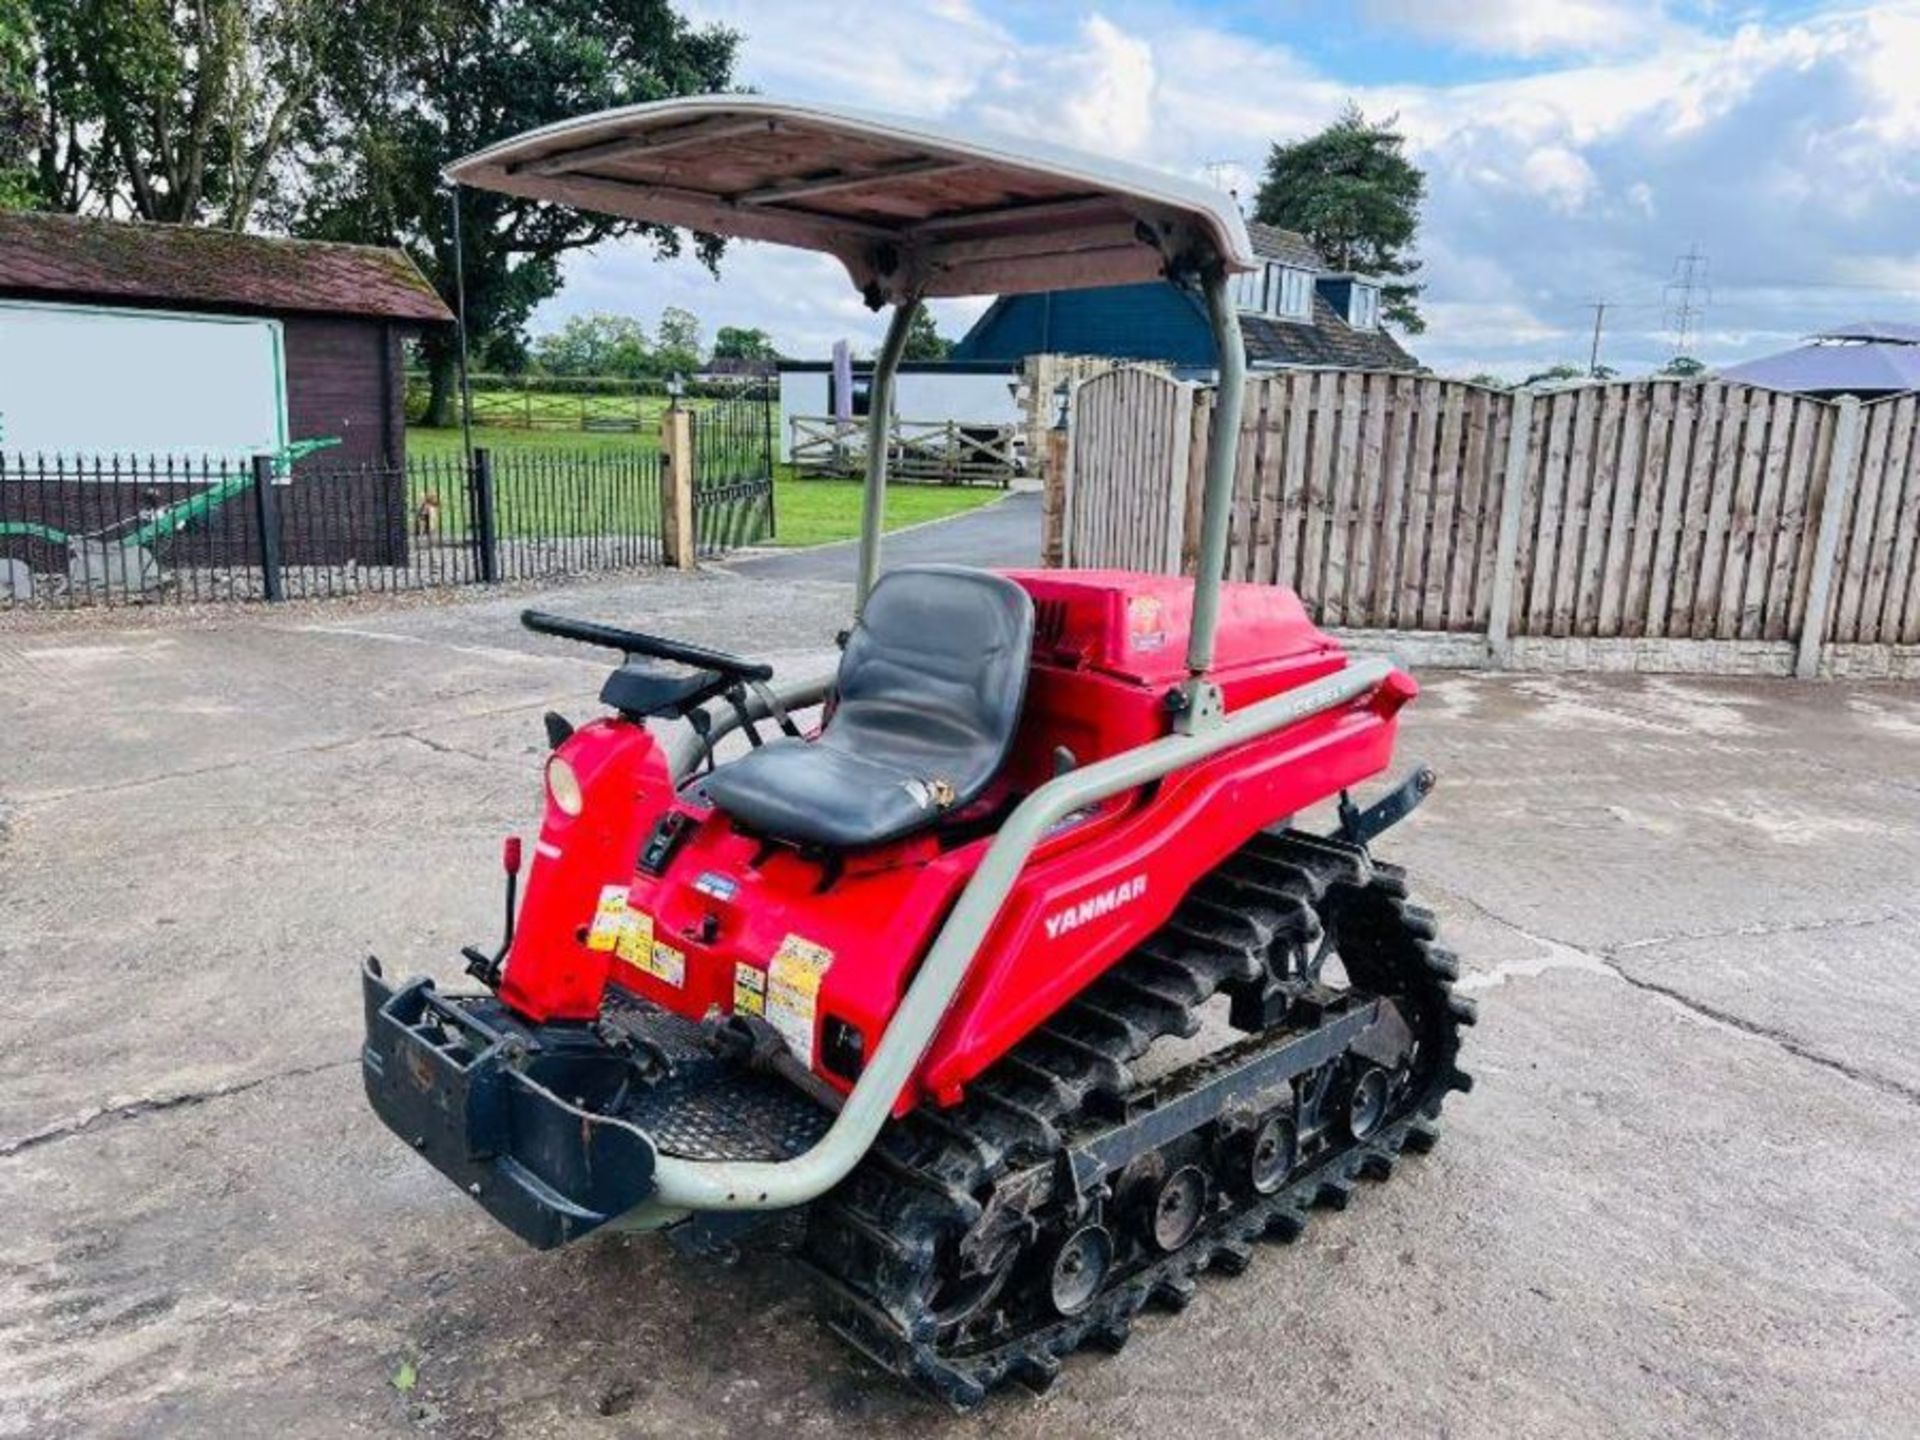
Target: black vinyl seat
<point>927,702</point>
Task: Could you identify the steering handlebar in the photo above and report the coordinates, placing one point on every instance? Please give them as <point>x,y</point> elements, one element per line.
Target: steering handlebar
<point>633,642</point>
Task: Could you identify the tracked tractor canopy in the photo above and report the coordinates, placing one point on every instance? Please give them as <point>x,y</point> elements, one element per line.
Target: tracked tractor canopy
<point>913,211</point>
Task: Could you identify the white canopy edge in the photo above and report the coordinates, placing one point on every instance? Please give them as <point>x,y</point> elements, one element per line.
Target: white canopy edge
<point>909,207</point>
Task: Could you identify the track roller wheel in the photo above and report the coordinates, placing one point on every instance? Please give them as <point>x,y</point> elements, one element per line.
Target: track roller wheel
<point>1179,1205</point>
<point>1271,1155</point>
<point>1079,1269</point>
<point>1367,1102</point>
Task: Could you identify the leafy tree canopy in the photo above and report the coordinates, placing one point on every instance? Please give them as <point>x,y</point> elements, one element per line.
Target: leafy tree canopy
<point>1683,367</point>
<point>924,340</point>
<point>595,345</point>
<point>431,80</point>
<point>677,349</point>
<point>1352,191</point>
<point>1556,375</point>
<point>19,118</point>
<point>732,342</point>
<point>176,110</point>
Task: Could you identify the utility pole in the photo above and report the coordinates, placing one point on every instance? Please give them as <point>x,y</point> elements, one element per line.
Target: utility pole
<point>1599,308</point>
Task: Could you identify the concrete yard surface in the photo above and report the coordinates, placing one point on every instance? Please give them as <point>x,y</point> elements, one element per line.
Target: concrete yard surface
<point>1681,1199</point>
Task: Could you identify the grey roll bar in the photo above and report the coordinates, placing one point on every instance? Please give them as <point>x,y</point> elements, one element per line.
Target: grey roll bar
<point>1222,456</point>
<point>873,504</point>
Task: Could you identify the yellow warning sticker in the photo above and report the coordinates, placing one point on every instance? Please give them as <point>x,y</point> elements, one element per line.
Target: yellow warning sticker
<point>793,992</point>
<point>663,962</point>
<point>609,919</point>
<point>749,989</point>
<point>636,937</point>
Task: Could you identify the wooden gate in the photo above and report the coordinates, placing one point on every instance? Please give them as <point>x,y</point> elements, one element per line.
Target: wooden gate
<point>1129,476</point>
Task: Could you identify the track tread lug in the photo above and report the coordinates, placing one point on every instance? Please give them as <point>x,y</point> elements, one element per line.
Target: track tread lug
<point>1422,1136</point>
<point>1335,1192</point>
<point>1232,1258</point>
<point>1286,1225</point>
<point>1037,1370</point>
<point>1175,1292</point>
<point>1376,1165</point>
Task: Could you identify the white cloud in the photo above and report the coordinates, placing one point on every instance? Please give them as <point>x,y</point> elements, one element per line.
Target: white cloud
<point>1560,177</point>
<point>1528,27</point>
<point>1789,150</point>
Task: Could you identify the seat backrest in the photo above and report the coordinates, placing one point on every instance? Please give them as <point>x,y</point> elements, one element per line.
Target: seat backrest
<point>935,673</point>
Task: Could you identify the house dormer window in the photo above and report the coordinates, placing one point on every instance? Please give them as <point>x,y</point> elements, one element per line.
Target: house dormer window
<point>1283,291</point>
<point>1290,292</point>
<point>1363,307</point>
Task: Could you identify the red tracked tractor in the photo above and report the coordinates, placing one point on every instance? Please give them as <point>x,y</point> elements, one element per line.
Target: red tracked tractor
<point>908,972</point>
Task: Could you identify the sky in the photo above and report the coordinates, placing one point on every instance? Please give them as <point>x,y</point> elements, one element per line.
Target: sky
<point>1575,150</point>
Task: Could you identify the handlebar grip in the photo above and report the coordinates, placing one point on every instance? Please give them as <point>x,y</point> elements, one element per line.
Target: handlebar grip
<point>633,642</point>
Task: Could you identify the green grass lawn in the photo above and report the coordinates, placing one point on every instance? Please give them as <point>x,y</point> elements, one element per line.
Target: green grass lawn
<point>606,497</point>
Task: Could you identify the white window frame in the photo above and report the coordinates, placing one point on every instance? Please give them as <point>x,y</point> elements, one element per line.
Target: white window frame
<point>1363,307</point>
<point>1249,291</point>
<point>1289,282</point>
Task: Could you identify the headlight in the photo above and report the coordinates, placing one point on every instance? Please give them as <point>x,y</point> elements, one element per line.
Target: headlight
<point>564,786</point>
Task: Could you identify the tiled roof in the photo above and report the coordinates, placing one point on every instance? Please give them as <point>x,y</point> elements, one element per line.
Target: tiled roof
<point>65,256</point>
<point>1270,242</point>
<point>1329,340</point>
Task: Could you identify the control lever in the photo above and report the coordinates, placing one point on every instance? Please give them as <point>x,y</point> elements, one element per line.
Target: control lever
<point>483,967</point>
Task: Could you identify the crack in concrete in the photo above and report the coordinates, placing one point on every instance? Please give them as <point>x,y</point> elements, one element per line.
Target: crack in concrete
<point>1735,932</point>
<point>1560,955</point>
<point>440,747</point>
<point>318,747</point>
<point>103,1115</point>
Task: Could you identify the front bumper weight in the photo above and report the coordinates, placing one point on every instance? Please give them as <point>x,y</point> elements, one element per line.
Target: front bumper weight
<point>479,1095</point>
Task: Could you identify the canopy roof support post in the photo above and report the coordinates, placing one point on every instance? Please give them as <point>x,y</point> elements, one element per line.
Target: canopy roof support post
<point>1222,451</point>
<point>873,508</point>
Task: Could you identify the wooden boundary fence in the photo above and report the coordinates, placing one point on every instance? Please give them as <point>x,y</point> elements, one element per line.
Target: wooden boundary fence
<point>1645,510</point>
<point>940,452</point>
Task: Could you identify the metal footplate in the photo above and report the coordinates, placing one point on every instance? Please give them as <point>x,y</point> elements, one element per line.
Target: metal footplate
<point>704,1107</point>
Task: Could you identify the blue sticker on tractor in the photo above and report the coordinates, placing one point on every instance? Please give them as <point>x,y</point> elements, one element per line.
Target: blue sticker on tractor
<point>720,887</point>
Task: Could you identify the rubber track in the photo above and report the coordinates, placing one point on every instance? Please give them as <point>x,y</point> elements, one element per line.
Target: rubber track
<point>884,1240</point>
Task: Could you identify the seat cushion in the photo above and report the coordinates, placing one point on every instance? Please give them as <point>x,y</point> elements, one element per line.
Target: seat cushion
<point>926,706</point>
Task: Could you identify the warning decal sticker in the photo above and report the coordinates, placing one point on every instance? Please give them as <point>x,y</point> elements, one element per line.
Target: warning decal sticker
<point>663,962</point>
<point>793,992</point>
<point>609,919</point>
<point>749,989</point>
<point>636,937</point>
<point>1146,629</point>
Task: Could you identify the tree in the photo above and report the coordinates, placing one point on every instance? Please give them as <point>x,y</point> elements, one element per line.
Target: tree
<point>1683,367</point>
<point>174,110</point>
<point>595,345</point>
<point>1352,191</point>
<point>19,121</point>
<point>435,79</point>
<point>734,343</point>
<point>1556,375</point>
<point>924,340</point>
<point>678,349</point>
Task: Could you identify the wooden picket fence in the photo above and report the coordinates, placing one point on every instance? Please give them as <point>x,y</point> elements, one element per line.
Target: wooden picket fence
<point>1645,509</point>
